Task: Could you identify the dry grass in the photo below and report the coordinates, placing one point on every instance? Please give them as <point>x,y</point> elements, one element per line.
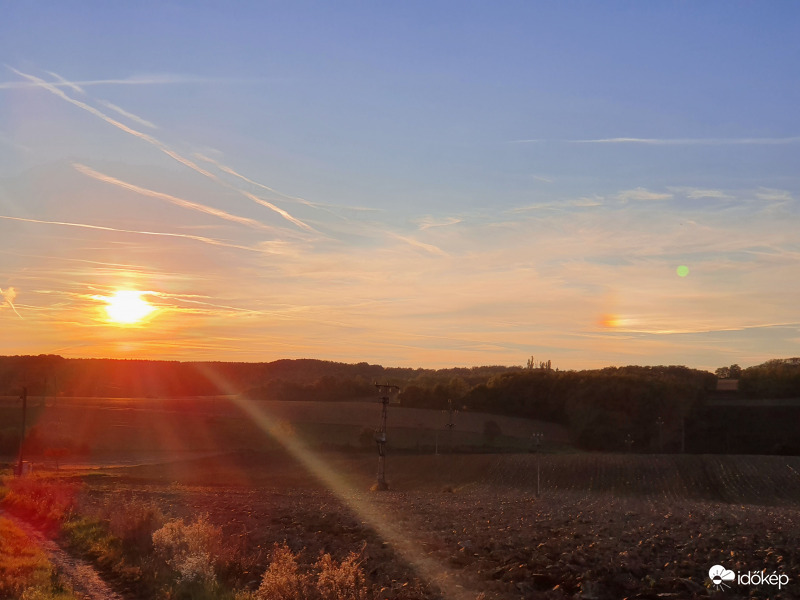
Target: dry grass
<point>42,500</point>
<point>25,571</point>
<point>326,580</point>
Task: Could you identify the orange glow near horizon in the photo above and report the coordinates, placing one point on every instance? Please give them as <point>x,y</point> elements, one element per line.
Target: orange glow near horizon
<point>127,307</point>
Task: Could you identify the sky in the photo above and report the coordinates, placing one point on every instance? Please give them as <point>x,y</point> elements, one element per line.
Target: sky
<point>424,184</point>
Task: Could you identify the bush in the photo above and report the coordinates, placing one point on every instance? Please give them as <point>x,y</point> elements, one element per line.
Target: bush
<point>192,550</point>
<point>47,501</point>
<point>134,522</point>
<point>327,580</point>
<point>341,581</point>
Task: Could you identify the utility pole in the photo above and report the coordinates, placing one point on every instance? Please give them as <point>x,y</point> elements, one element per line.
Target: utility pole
<point>24,398</point>
<point>450,423</point>
<point>385,392</point>
<point>660,423</point>
<point>537,444</point>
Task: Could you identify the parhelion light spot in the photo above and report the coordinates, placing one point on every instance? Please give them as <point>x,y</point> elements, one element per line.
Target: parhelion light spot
<point>682,271</point>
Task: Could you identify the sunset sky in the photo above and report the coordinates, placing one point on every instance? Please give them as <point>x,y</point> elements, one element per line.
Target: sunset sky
<point>410,183</point>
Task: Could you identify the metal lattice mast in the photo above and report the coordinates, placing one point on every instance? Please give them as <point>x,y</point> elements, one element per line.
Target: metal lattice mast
<point>384,393</point>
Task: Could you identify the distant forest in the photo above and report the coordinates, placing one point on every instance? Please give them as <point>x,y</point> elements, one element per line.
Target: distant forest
<point>602,408</point>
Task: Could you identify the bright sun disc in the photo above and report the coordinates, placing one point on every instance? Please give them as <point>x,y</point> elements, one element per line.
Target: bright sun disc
<point>127,307</point>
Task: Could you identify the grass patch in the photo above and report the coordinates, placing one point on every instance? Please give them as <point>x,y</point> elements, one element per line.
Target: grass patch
<point>25,571</point>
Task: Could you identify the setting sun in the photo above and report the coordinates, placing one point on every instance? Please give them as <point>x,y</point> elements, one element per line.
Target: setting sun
<point>126,307</point>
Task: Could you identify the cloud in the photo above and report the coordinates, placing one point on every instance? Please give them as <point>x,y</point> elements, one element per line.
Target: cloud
<point>90,109</point>
<point>172,199</point>
<point>163,79</point>
<point>197,238</point>
<point>127,114</point>
<point>697,194</point>
<point>690,141</point>
<point>582,202</point>
<point>417,244</point>
<point>9,294</point>
<point>429,222</point>
<point>542,178</point>
<point>641,194</point>
<point>158,144</point>
<point>771,195</point>
<point>71,85</point>
<point>674,141</point>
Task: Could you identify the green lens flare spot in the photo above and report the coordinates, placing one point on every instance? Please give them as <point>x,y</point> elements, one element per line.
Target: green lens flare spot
<point>682,271</point>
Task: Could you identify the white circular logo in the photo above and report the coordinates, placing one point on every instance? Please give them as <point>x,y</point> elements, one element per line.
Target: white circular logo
<point>719,575</point>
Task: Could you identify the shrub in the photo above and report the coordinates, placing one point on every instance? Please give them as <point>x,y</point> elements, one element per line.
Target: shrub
<point>326,580</point>
<point>191,550</point>
<point>133,522</point>
<point>282,580</point>
<point>44,500</point>
<point>341,581</point>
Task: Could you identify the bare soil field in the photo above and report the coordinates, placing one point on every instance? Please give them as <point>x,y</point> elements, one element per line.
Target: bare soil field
<point>604,526</point>
<point>458,526</point>
<point>108,427</point>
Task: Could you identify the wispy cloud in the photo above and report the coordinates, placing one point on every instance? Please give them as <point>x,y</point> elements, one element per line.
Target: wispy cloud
<point>429,222</point>
<point>672,141</point>
<point>9,294</point>
<point>582,202</point>
<point>641,194</point>
<point>73,86</point>
<point>127,114</point>
<point>172,199</point>
<point>771,195</point>
<point>691,141</point>
<point>90,109</point>
<point>697,194</point>
<point>430,248</point>
<point>230,171</point>
<point>164,79</point>
<point>158,144</point>
<point>185,236</point>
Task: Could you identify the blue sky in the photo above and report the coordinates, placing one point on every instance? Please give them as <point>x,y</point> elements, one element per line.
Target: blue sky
<point>423,184</point>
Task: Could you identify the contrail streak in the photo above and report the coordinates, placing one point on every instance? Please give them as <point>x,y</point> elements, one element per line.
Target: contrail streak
<point>230,171</point>
<point>143,136</point>
<point>197,238</point>
<point>417,244</point>
<point>155,142</point>
<point>172,199</point>
<point>299,200</point>
<point>152,80</point>
<point>9,296</point>
<point>127,114</point>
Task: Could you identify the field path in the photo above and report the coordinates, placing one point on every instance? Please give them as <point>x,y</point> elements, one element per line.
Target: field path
<point>81,576</point>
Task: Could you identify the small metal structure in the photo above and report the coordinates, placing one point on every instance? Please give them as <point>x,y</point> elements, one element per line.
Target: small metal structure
<point>387,394</point>
<point>538,438</point>
<point>660,423</point>
<point>629,442</point>
<point>20,462</point>
<point>451,413</point>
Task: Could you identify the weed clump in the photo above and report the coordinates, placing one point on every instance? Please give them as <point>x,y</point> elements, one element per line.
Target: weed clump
<point>192,550</point>
<point>327,579</point>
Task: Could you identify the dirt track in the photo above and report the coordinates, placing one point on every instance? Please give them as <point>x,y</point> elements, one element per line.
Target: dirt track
<point>82,577</point>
